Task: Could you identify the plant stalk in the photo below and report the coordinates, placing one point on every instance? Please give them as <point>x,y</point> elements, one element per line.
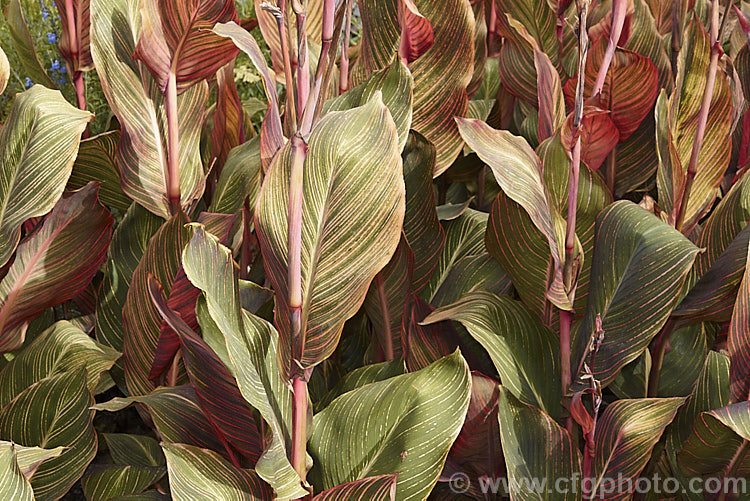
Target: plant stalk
<point>299,425</point>
<point>716,51</point>
<point>344,67</point>
<point>657,357</point>
<point>329,8</point>
<point>619,9</point>
<point>676,35</point>
<point>173,143</point>
<point>77,76</point>
<point>290,115</point>
<point>303,63</point>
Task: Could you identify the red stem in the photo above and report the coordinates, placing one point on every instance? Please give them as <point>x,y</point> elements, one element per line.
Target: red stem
<point>344,68</point>
<point>303,65</point>
<point>619,9</point>
<point>290,114</point>
<point>173,144</point>
<point>305,127</point>
<point>299,425</point>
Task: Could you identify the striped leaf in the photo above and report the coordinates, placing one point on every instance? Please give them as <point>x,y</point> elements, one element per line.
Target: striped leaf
<point>51,413</point>
<point>640,264</point>
<point>425,344</point>
<point>29,458</point>
<point>360,377</point>
<point>61,348</point>
<point>646,40</point>
<point>13,483</point>
<point>684,106</point>
<point>38,144</point>
<point>251,345</point>
<point>137,450</point>
<point>239,179</point>
<point>464,237</point>
<point>141,320</point>
<point>228,117</point>
<point>136,100</point>
<point>176,413</point>
<point>129,242</point>
<point>271,135</point>
<point>55,263</point>
<point>441,74</point>
<point>177,38</point>
<point>352,211</point>
<point>626,433</point>
<point>113,481</point>
<point>397,88</point>
<point>24,44</point>
<point>217,390</point>
<point>404,424</point>
<point>80,59</point>
<point>551,100</point>
<point>599,136</point>
<point>472,273</point>
<point>636,159</point>
<point>536,448</point>
<point>713,297</point>
<point>96,162</point>
<point>629,91</point>
<point>196,473</point>
<point>518,171</point>
<point>377,488</point>
<point>739,338</point>
<point>525,353</point>
<point>719,443</point>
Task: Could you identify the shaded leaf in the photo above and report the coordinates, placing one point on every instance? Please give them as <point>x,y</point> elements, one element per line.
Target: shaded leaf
<point>379,488</point>
<point>113,481</point>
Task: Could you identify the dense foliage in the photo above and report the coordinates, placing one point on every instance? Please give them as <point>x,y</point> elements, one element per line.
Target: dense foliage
<point>383,249</point>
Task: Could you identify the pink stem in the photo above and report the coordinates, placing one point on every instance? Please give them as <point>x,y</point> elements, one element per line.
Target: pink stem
<point>290,114</point>
<point>299,425</point>
<point>305,128</point>
<point>344,68</point>
<point>173,144</point>
<point>619,9</point>
<point>303,66</point>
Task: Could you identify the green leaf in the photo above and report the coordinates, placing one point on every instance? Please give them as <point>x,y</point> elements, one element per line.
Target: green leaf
<point>24,44</point>
<point>239,179</point>
<point>360,377</point>
<point>378,488</point>
<point>113,481</point>
<point>177,39</point>
<point>96,162</point>
<point>524,352</point>
<point>29,458</point>
<point>137,102</point>
<point>472,273</point>
<point>404,424</point>
<point>51,413</point>
<point>536,448</point>
<point>252,345</point>
<point>640,264</point>
<point>61,348</point>
<point>625,436</point>
<point>352,205</point>
<point>13,483</point>
<point>38,144</point>
<point>136,450</point>
<point>55,263</point>
<point>196,473</point>
<point>441,75</point>
<point>738,341</point>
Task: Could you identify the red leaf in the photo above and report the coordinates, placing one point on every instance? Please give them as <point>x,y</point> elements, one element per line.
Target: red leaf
<point>599,136</point>
<point>424,344</point>
<point>416,32</point>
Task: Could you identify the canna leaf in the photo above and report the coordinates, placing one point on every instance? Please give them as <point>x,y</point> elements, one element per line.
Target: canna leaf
<point>472,273</point>
<point>55,263</point>
<point>425,344</point>
<point>239,179</point>
<point>177,39</point>
<point>29,458</point>
<point>360,377</point>
<point>13,483</point>
<point>113,481</point>
<point>80,58</point>
<point>24,44</point>
<point>137,102</point>
<point>441,75</point>
<point>54,412</point>
<point>633,252</point>
<point>551,101</point>
<point>410,430</point>
<point>228,131</point>
<point>525,353</point>
<point>352,203</point>
<point>196,473</point>
<point>738,341</point>
<point>38,144</point>
<point>137,450</point>
<point>4,71</point>
<point>378,488</point>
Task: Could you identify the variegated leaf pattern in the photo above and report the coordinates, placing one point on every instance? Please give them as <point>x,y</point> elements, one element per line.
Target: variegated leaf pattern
<point>38,144</point>
<point>441,75</point>
<point>632,249</point>
<point>535,448</point>
<point>239,179</point>
<point>176,38</point>
<point>626,433</point>
<point>55,263</point>
<point>58,349</point>
<point>518,171</point>
<point>472,273</point>
<point>551,101</point>
<point>80,60</point>
<point>251,346</point>
<point>135,99</point>
<point>141,320</point>
<point>353,205</point>
<point>196,473</point>
<point>228,117</point>
<point>525,352</point>
<point>270,31</point>
<point>114,481</point>
<point>425,344</point>
<point>177,415</point>
<point>377,488</point>
<point>134,449</point>
<point>29,458</point>
<point>13,483</point>
<point>361,377</point>
<point>51,413</point>
<point>719,443</point>
<point>738,342</point>
<point>271,135</point>
<point>405,424</point>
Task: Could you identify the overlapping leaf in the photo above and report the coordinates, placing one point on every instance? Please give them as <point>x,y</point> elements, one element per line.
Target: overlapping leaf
<point>135,98</point>
<point>352,212</point>
<point>80,59</point>
<point>38,144</point>
<point>377,488</point>
<point>640,264</point>
<point>739,341</point>
<point>114,481</point>
<point>270,30</point>
<point>13,483</point>
<point>441,74</point>
<point>410,430</point>
<point>55,263</point>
